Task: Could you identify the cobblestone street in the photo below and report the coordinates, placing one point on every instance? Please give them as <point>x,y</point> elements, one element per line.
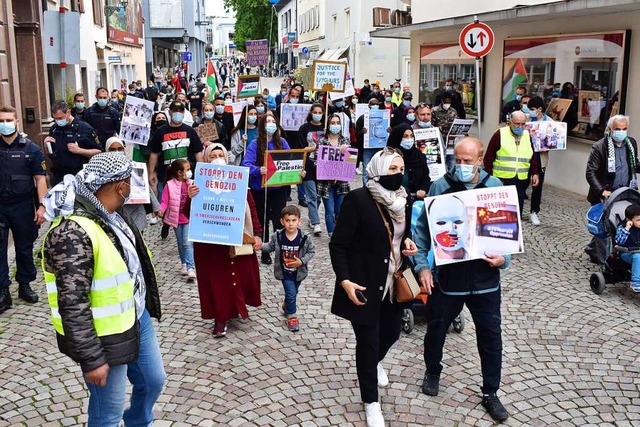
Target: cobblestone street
<point>570,357</point>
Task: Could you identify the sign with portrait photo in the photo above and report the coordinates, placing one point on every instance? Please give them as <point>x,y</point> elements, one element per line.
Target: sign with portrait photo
<point>429,141</point>
<point>139,184</point>
<point>548,135</point>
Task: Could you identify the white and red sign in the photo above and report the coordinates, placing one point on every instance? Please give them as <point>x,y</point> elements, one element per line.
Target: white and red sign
<point>476,39</point>
<point>295,44</point>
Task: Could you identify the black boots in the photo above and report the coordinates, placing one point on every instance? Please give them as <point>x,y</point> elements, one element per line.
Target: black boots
<point>431,384</point>
<point>494,407</point>
<point>27,294</point>
<point>5,300</point>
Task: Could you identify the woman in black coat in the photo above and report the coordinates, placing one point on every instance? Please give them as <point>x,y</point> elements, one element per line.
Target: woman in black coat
<point>364,264</point>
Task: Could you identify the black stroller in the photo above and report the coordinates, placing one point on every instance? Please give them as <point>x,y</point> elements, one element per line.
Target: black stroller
<point>603,222</point>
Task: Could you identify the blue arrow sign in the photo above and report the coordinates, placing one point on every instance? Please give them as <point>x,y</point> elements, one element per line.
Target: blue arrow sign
<point>187,56</point>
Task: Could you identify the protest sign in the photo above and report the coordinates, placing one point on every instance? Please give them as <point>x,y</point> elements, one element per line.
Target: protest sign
<point>376,122</point>
<point>429,141</point>
<point>139,184</point>
<point>236,109</point>
<point>283,167</point>
<point>257,52</point>
<point>458,130</point>
<point>217,211</point>
<point>248,86</point>
<point>136,120</point>
<point>332,164</point>
<point>349,89</point>
<point>361,109</point>
<point>207,132</point>
<point>548,135</point>
<point>292,116</point>
<point>472,224</point>
<point>332,73</point>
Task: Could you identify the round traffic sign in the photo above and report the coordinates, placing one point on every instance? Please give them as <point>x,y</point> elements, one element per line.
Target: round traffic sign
<point>305,50</point>
<point>295,44</point>
<point>476,39</point>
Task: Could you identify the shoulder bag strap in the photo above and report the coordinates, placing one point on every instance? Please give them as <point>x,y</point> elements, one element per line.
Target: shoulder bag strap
<point>389,234</point>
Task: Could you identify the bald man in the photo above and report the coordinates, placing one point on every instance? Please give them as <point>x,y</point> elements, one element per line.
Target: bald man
<point>475,284</point>
<point>510,157</point>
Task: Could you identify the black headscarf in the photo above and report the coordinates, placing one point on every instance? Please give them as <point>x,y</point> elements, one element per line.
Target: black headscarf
<point>413,158</point>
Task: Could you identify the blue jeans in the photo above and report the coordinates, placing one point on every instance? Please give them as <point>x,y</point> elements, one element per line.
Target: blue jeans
<point>332,207</point>
<point>367,154</point>
<point>301,193</point>
<point>634,260</point>
<point>185,247</point>
<point>311,196</point>
<point>290,295</point>
<point>106,404</point>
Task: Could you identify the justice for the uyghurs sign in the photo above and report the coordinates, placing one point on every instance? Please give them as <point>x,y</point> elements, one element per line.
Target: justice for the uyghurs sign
<point>329,73</point>
<point>217,211</point>
<point>257,52</point>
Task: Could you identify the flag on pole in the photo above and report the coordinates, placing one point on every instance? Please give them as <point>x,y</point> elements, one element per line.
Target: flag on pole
<point>212,80</point>
<point>517,76</point>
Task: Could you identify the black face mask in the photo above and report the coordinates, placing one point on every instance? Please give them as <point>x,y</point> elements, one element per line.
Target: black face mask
<point>391,182</point>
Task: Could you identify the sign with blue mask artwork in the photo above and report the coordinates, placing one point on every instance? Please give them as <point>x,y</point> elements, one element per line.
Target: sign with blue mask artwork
<point>377,123</point>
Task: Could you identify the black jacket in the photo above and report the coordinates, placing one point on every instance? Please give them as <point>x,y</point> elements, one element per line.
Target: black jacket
<point>360,252</point>
<point>598,175</point>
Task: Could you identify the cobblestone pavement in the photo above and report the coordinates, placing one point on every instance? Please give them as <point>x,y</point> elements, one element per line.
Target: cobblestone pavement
<point>570,357</point>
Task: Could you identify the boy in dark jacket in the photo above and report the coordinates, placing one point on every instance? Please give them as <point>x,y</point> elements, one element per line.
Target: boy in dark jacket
<point>628,235</point>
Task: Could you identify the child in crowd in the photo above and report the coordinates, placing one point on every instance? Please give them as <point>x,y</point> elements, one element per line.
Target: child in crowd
<point>628,235</point>
<point>172,209</point>
<point>294,249</point>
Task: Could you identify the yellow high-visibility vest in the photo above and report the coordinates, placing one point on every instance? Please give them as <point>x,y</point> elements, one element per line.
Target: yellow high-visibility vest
<point>513,159</point>
<point>112,289</point>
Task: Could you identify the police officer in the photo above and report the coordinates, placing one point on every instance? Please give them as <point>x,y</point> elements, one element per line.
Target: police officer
<point>104,118</point>
<point>21,161</point>
<point>79,103</point>
<point>71,142</point>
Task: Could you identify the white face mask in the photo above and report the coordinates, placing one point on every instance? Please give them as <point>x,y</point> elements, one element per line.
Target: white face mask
<point>188,174</point>
<point>218,161</point>
<point>446,106</point>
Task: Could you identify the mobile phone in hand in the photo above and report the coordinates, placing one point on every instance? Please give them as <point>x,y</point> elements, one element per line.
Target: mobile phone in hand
<point>361,297</point>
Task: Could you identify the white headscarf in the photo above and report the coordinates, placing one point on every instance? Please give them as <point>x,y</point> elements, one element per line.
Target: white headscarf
<point>216,146</point>
<point>394,201</point>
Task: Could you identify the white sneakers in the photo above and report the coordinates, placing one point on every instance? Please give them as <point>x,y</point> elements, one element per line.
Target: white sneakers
<point>153,220</point>
<point>191,275</point>
<point>534,218</point>
<point>373,414</point>
<point>383,380</point>
<point>183,270</point>
<point>317,229</point>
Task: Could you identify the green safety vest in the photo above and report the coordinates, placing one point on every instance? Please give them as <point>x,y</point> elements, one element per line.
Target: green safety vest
<point>512,158</point>
<point>112,289</point>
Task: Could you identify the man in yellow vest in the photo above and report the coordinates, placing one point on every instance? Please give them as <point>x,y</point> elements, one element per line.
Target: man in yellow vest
<point>510,158</point>
<point>102,290</point>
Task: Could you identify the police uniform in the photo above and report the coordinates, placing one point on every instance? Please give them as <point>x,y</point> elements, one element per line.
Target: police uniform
<point>105,121</point>
<point>20,162</point>
<point>64,161</point>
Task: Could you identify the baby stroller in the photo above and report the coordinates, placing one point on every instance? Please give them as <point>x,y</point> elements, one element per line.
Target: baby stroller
<point>420,303</point>
<point>602,221</point>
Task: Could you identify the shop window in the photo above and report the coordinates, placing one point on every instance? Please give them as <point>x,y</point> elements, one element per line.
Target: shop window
<point>434,76</point>
<point>581,77</point>
<point>450,72</point>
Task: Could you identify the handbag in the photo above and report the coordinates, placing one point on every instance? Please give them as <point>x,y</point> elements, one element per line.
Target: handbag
<point>405,285</point>
<point>245,249</point>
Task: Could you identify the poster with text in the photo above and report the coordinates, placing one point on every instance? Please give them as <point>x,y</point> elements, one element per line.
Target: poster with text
<point>217,211</point>
<point>429,141</point>
<point>334,164</point>
<point>349,89</point>
<point>257,52</point>
<point>135,126</point>
<point>471,224</point>
<point>548,135</point>
<point>329,73</point>
<point>459,129</point>
<point>139,184</point>
<point>292,116</point>
<point>248,86</point>
<point>283,167</point>
<point>376,122</point>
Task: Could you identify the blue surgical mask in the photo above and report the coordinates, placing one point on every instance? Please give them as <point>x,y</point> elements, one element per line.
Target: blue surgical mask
<point>339,104</point>
<point>252,119</point>
<point>411,117</point>
<point>208,115</point>
<point>219,109</point>
<point>62,122</point>
<point>293,100</point>
<point>424,124</point>
<point>397,90</point>
<point>7,128</point>
<point>260,110</point>
<point>448,88</point>
<point>283,93</point>
<point>374,107</point>
<point>194,89</point>
<point>407,143</point>
<point>271,128</point>
<point>177,117</point>
<point>518,97</point>
<point>517,131</point>
<point>80,105</point>
<point>387,98</point>
<point>465,173</point>
<point>316,117</point>
<point>619,135</point>
<point>335,129</point>
<point>102,102</point>
<point>406,103</point>
<point>525,109</point>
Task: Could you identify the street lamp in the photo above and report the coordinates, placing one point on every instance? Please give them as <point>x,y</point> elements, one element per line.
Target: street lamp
<point>185,39</point>
<point>121,5</point>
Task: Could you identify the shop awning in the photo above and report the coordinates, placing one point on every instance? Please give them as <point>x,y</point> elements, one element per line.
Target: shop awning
<point>332,54</point>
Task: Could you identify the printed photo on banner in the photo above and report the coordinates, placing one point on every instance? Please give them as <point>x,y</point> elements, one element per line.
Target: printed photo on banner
<point>459,129</point>
<point>283,167</point>
<point>292,116</point>
<point>248,86</point>
<point>377,123</point>
<point>429,141</point>
<point>217,211</point>
<point>557,109</point>
<point>136,120</point>
<point>236,109</point>
<point>257,52</point>
<point>333,164</point>
<point>349,89</point>
<point>139,184</point>
<point>332,73</point>
<point>548,135</point>
<point>472,224</point>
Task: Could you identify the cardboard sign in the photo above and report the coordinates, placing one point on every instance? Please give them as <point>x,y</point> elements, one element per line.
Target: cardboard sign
<point>429,141</point>
<point>283,167</point>
<point>332,164</point>
<point>207,132</point>
<point>329,76</point>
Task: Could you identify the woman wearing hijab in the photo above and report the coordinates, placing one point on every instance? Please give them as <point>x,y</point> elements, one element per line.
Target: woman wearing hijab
<point>227,285</point>
<point>416,179</point>
<point>364,261</point>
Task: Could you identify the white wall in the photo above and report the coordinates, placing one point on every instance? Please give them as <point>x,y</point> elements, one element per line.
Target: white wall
<point>432,10</point>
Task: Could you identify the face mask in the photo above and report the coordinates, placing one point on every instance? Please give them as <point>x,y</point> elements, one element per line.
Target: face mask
<point>125,198</point>
<point>316,117</point>
<point>354,100</point>
<point>260,110</point>
<point>252,119</point>
<point>283,93</point>
<point>448,88</point>
<point>271,128</point>
<point>62,122</point>
<point>465,173</point>
<point>340,104</point>
<point>80,105</point>
<point>517,131</point>
<point>335,129</point>
<point>518,97</point>
<point>194,89</point>
<point>387,98</point>
<point>293,100</point>
<point>188,174</point>
<point>619,135</point>
<point>218,161</point>
<point>177,117</point>
<point>374,107</point>
<point>149,85</point>
<point>114,100</point>
<point>7,128</point>
<point>446,106</point>
<point>208,115</point>
<point>397,90</point>
<point>411,117</point>
<point>102,102</point>
<point>424,124</point>
<point>219,109</point>
<point>375,91</point>
<point>525,109</point>
<point>391,182</point>
<point>556,92</point>
<point>407,143</point>
<point>406,103</point>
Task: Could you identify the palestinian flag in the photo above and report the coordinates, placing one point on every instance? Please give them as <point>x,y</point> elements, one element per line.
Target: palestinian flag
<point>212,80</point>
<point>516,77</point>
<point>351,155</point>
<point>283,167</point>
<point>248,86</point>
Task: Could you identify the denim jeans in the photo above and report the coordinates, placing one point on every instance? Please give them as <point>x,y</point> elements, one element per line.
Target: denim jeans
<point>301,193</point>
<point>367,154</point>
<point>311,196</point>
<point>185,247</point>
<point>634,260</point>
<point>332,207</point>
<point>106,404</point>
<point>18,217</point>
<point>290,295</point>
